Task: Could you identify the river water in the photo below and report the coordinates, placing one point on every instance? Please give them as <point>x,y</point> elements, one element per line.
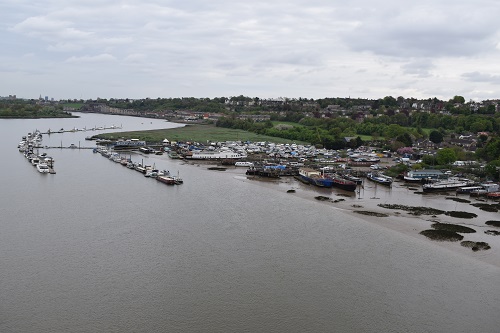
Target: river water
<point>100,248</point>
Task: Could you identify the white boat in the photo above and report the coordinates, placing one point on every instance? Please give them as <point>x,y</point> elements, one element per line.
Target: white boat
<point>35,161</point>
<point>446,185</point>
<point>468,189</point>
<point>243,164</point>
<point>42,168</point>
<point>214,155</point>
<point>129,144</point>
<point>379,178</point>
<point>485,189</point>
<point>177,179</point>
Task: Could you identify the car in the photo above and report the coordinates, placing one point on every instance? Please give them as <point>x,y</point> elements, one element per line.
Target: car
<point>374,167</point>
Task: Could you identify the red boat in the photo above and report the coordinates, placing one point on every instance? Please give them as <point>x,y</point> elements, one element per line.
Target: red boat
<point>166,180</point>
<point>343,183</point>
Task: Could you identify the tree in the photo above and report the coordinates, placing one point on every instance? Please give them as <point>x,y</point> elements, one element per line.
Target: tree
<point>393,131</point>
<point>446,156</point>
<point>458,99</point>
<point>436,136</point>
<point>405,138</point>
<point>492,169</point>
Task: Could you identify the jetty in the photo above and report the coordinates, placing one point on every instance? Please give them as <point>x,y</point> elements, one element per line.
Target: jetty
<point>85,129</point>
<point>27,146</point>
<point>148,171</point>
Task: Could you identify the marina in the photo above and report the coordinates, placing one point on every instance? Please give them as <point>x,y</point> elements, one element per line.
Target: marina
<point>29,146</point>
<point>147,170</point>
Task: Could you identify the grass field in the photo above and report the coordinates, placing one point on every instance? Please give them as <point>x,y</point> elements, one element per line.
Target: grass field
<point>195,133</point>
<point>73,105</point>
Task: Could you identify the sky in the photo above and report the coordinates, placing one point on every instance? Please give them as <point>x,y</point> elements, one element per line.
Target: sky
<point>88,49</point>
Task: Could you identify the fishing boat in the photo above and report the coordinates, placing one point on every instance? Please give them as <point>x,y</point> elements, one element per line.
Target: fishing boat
<point>379,178</point>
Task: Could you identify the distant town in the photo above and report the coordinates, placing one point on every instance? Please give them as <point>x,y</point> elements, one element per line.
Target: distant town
<point>195,109</point>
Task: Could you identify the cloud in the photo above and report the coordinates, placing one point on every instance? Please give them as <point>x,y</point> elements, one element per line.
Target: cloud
<point>481,77</point>
<point>420,68</point>
<point>49,29</point>
<point>425,30</point>
<point>287,48</point>
<point>91,59</point>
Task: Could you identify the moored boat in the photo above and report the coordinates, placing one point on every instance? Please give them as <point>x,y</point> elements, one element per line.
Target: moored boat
<point>166,180</point>
<point>493,195</point>
<point>128,144</point>
<point>446,185</point>
<point>243,164</point>
<point>352,178</point>
<point>343,183</point>
<point>420,176</point>
<point>379,178</point>
<point>214,155</point>
<point>315,177</point>
<point>43,168</point>
<point>467,189</point>
<point>484,189</point>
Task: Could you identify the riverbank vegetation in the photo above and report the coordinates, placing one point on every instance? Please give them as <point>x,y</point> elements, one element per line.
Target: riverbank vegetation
<point>31,110</point>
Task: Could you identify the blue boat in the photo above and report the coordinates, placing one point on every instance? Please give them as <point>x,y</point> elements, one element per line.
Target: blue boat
<point>315,177</point>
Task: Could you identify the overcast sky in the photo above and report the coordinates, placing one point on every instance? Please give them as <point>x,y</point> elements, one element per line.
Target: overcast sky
<point>267,49</point>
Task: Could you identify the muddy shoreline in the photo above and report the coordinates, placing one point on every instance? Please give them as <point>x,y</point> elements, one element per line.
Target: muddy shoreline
<point>370,203</point>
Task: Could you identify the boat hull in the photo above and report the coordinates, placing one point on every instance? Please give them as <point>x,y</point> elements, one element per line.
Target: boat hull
<point>166,180</point>
<point>442,188</point>
<point>344,184</point>
<point>317,181</point>
<point>386,181</point>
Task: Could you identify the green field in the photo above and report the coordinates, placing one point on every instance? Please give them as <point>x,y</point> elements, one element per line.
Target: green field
<point>195,133</point>
<point>73,105</point>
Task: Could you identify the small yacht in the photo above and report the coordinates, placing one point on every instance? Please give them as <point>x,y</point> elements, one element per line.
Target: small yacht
<point>42,168</point>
